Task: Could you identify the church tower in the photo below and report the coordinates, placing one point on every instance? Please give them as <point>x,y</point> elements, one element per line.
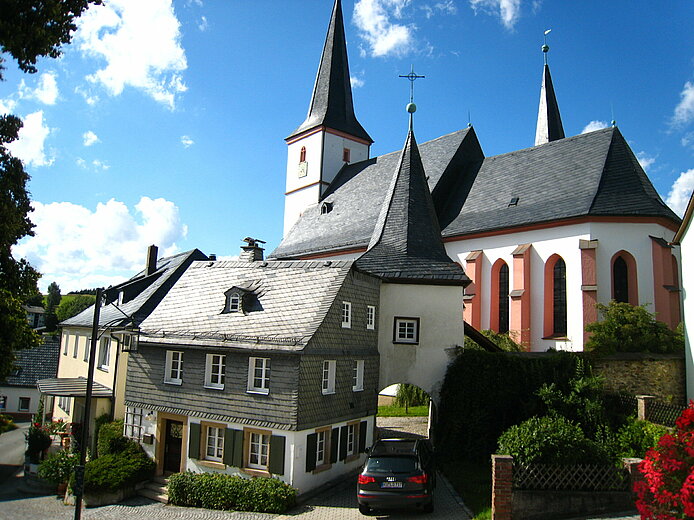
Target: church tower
<point>331,135</point>
<point>549,127</point>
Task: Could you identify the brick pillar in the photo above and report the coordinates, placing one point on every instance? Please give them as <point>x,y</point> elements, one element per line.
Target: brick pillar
<point>502,487</point>
<point>643,402</point>
<point>473,292</point>
<point>589,283</point>
<point>520,296</point>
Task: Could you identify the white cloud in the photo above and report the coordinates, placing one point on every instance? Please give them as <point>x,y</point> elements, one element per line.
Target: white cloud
<point>32,137</point>
<point>140,42</point>
<point>356,82</point>
<point>7,106</point>
<point>684,111</point>
<point>594,125</point>
<point>508,10</point>
<point>447,7</point>
<point>80,248</point>
<point>680,192</point>
<point>45,92</point>
<point>89,138</point>
<point>645,160</point>
<point>203,24</point>
<point>186,141</point>
<point>90,98</point>
<point>373,19</point>
<point>688,140</point>
<point>100,165</point>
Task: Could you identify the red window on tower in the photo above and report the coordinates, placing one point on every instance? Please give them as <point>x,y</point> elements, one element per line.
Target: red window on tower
<point>345,154</point>
<point>302,154</point>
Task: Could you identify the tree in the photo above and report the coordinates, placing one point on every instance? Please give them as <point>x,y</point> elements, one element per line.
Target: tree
<point>73,304</point>
<point>52,302</point>
<point>628,328</point>
<point>410,395</point>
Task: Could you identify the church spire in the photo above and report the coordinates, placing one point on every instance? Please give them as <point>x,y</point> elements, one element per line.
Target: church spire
<point>549,127</point>
<point>331,104</point>
<point>406,244</point>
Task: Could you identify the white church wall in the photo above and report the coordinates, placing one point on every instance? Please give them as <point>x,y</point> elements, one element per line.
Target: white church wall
<point>687,253</point>
<point>314,149</point>
<point>332,155</point>
<point>439,309</point>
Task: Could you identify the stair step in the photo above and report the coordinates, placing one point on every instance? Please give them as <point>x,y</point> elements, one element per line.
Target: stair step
<point>161,479</point>
<point>154,495</point>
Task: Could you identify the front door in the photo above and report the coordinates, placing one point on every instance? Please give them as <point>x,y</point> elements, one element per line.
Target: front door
<point>172,446</point>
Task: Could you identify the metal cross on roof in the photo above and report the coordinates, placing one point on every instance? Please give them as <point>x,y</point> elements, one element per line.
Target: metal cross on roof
<point>412,77</point>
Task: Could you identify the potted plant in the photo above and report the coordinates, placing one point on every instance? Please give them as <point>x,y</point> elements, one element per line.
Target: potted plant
<point>38,441</point>
<point>58,467</point>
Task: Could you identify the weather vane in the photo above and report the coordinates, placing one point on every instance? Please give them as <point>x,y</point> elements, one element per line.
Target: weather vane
<point>412,76</point>
<point>545,47</point>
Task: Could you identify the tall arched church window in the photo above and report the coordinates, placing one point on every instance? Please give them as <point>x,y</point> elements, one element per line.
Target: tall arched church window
<point>624,280</point>
<point>500,287</point>
<point>503,298</point>
<point>559,297</point>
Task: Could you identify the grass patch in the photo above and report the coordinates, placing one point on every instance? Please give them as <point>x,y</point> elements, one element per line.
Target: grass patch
<point>399,411</point>
<point>473,482</point>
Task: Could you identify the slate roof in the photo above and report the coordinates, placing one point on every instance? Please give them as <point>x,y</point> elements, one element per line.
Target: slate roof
<point>592,174</point>
<point>142,292</point>
<point>294,296</point>
<point>331,102</point>
<point>36,363</point>
<point>406,244</point>
<point>549,127</point>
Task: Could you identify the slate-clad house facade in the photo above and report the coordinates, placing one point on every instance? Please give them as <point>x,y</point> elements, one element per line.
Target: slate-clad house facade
<point>281,381</point>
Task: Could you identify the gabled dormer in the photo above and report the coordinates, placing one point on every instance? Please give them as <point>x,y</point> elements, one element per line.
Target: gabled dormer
<point>242,299</point>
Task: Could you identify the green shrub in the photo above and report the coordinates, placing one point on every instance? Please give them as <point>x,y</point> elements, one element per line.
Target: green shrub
<point>502,339</point>
<point>410,395</point>
<point>38,440</point>
<point>550,440</point>
<point>114,471</point>
<point>6,423</point>
<point>230,492</point>
<point>58,467</point>
<point>626,328</point>
<point>110,438</point>
<point>634,438</point>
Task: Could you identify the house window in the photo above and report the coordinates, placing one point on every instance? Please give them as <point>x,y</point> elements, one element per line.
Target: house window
<point>234,302</point>
<point>370,317</point>
<point>259,375</point>
<point>215,370</point>
<point>64,403</point>
<point>321,447</point>
<point>351,444</point>
<point>258,450</point>
<point>173,374</point>
<point>406,330</point>
<point>104,353</point>
<point>214,443</point>
<point>345,155</point>
<point>302,154</point>
<point>132,426</point>
<point>24,403</point>
<point>328,383</point>
<point>75,346</point>
<point>3,402</point>
<point>346,315</point>
<point>358,375</point>
<point>503,301</point>
<point>66,339</point>
<point>87,348</point>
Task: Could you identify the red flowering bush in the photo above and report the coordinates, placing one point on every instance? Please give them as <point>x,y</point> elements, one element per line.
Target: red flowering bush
<point>667,492</point>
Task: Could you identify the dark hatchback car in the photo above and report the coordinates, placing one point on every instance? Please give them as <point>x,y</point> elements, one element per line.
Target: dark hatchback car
<point>398,473</point>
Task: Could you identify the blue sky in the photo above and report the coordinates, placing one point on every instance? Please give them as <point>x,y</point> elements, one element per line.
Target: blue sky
<point>164,122</point>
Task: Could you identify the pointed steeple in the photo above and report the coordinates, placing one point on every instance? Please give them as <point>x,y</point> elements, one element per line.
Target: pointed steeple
<point>406,244</point>
<point>549,127</point>
<point>331,103</point>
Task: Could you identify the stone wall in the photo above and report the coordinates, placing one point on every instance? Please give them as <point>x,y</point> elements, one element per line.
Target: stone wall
<point>659,375</point>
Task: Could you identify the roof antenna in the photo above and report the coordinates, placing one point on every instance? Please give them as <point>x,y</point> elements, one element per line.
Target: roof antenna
<point>545,47</point>
<point>411,107</point>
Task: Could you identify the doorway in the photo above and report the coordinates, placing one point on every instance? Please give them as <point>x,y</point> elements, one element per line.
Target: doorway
<point>173,444</point>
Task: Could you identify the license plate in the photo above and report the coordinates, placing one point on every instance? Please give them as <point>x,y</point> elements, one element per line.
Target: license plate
<point>391,484</point>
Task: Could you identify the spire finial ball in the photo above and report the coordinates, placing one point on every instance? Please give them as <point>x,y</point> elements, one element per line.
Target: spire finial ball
<point>545,48</point>
<point>411,108</point>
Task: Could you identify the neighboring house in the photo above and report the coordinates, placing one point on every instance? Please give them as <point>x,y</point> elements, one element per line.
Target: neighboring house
<point>19,396</point>
<point>544,233</point>
<point>135,298</point>
<point>36,316</point>
<point>685,239</point>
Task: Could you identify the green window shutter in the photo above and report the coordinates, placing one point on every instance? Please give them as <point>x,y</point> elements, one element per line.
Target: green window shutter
<point>335,435</point>
<point>229,445</point>
<point>276,465</point>
<point>343,443</point>
<point>311,443</point>
<point>237,455</point>
<point>362,437</point>
<point>194,440</point>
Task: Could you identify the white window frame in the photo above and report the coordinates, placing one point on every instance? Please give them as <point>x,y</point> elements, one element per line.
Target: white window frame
<point>328,379</point>
<point>76,346</point>
<point>173,372</point>
<point>104,353</point>
<point>351,439</point>
<point>64,403</point>
<point>234,302</point>
<point>132,424</point>
<point>406,330</point>
<point>87,348</point>
<point>321,447</point>
<point>26,408</point>
<point>370,317</point>
<point>258,375</point>
<point>358,375</point>
<point>214,442</point>
<point>258,456</point>
<point>3,402</point>
<point>215,371</point>
<point>66,340</point>
<point>346,315</point>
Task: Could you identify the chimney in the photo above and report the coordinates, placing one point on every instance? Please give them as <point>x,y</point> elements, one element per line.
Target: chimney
<point>212,257</point>
<point>151,264</point>
<point>251,252</point>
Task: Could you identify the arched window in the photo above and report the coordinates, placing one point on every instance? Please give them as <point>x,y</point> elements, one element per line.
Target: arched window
<point>500,287</point>
<point>624,281</point>
<point>555,310</point>
<point>302,154</point>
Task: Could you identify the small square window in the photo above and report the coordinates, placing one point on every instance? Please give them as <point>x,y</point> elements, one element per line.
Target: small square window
<point>346,315</point>
<point>370,317</point>
<point>406,330</point>
<point>215,371</point>
<point>358,375</point>
<point>346,154</point>
<point>173,374</point>
<point>24,404</point>
<point>328,381</point>
<point>259,375</point>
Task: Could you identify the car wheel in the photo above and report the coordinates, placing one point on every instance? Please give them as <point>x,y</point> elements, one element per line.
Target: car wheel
<point>364,509</point>
<point>428,508</point>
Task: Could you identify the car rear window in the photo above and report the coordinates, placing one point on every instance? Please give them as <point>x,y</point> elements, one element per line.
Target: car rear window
<point>391,465</point>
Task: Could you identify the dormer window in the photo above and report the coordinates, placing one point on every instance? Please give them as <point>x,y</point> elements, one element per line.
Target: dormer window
<point>234,302</point>
<point>326,208</point>
<point>242,299</point>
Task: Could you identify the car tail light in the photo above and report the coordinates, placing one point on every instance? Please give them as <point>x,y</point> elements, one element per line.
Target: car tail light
<point>419,479</point>
<point>363,479</point>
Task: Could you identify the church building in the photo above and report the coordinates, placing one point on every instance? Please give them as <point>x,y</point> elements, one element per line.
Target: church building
<point>544,233</point>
